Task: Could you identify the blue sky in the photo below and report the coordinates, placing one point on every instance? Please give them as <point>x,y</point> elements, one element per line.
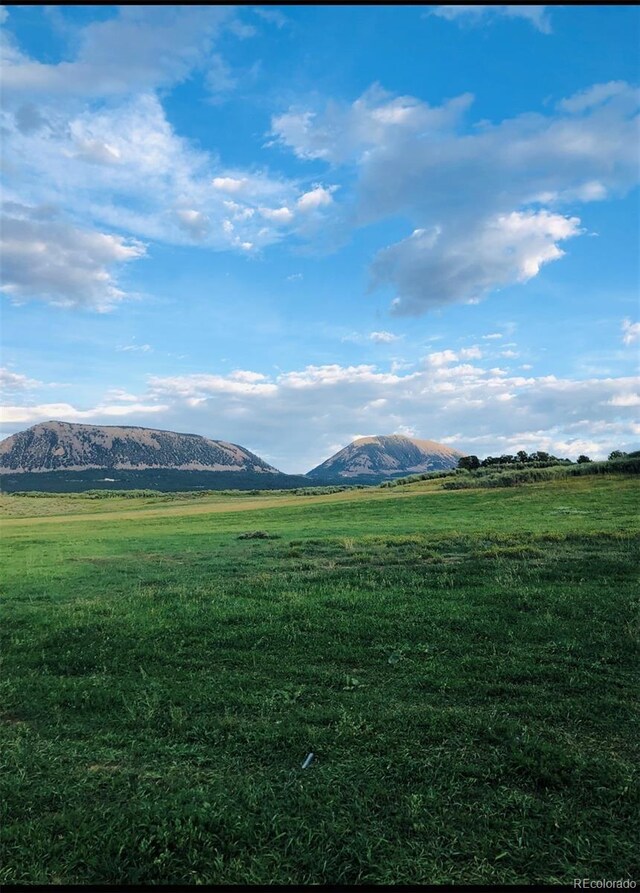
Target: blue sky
<point>290,226</point>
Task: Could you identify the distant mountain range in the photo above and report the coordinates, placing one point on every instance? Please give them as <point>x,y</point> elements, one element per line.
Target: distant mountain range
<point>67,456</point>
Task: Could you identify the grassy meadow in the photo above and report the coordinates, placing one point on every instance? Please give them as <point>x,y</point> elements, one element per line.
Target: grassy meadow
<point>463,664</point>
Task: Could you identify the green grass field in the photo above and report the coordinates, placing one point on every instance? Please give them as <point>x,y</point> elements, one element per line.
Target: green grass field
<point>462,663</point>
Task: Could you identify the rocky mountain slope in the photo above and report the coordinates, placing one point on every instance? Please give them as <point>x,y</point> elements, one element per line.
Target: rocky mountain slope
<point>63,446</point>
<point>386,456</point>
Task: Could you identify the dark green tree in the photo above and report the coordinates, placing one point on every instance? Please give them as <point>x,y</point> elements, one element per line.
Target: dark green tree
<point>582,459</point>
<point>469,462</point>
<point>617,454</point>
<point>540,456</point>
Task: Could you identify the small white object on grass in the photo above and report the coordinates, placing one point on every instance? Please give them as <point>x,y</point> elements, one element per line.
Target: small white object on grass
<point>308,761</point>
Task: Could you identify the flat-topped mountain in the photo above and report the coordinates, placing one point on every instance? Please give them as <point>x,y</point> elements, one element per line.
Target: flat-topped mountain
<point>386,456</point>
<point>63,446</point>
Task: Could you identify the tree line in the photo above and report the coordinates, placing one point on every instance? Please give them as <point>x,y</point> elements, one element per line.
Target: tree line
<point>537,459</point>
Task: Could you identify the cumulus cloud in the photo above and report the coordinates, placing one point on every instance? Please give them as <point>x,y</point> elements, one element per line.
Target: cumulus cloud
<point>383,337</point>
<point>139,49</point>
<point>486,200</point>
<point>504,192</point>
<point>529,159</point>
<point>14,382</point>
<point>230,184</point>
<point>441,357</point>
<point>54,261</point>
<point>433,268</point>
<point>280,215</point>
<point>536,15</point>
<point>204,385</point>
<point>94,129</point>
<point>318,197</point>
<point>593,96</point>
<point>29,415</point>
<point>629,399</point>
<point>119,396</point>
<point>342,131</point>
<point>630,331</point>
<point>128,170</point>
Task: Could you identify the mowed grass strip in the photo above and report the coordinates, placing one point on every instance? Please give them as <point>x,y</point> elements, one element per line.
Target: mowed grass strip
<point>463,665</point>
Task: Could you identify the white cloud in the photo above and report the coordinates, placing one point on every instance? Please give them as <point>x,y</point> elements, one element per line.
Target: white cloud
<point>279,215</point>
<point>441,357</point>
<point>594,96</point>
<point>493,336</point>
<point>433,268</point>
<point>123,167</point>
<point>630,331</point>
<point>54,261</point>
<point>536,15</point>
<point>344,131</point>
<point>196,386</point>
<point>90,133</point>
<point>96,152</point>
<point>405,430</point>
<point>142,348</point>
<point>15,382</point>
<point>139,49</point>
<point>11,415</point>
<point>626,400</point>
<point>247,375</point>
<point>230,184</point>
<point>377,337</point>
<point>499,168</point>
<point>383,337</point>
<point>492,194</point>
<point>318,197</point>
<point>117,395</point>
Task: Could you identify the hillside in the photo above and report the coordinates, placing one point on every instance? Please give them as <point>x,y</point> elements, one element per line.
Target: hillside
<point>63,446</point>
<point>386,456</point>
